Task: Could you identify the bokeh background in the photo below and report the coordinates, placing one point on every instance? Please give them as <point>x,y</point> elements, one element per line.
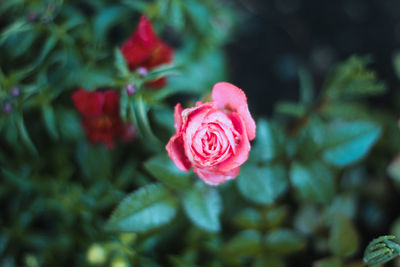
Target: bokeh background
<point>275,37</point>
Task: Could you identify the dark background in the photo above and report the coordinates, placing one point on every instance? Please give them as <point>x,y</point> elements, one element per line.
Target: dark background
<point>277,36</point>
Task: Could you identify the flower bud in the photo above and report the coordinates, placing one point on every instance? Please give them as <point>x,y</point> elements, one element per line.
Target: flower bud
<point>32,16</point>
<point>142,71</point>
<point>15,92</point>
<point>130,89</point>
<point>7,108</point>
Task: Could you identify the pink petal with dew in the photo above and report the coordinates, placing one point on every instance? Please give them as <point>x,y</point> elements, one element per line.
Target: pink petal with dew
<point>216,177</point>
<point>242,147</point>
<point>177,153</point>
<point>228,96</point>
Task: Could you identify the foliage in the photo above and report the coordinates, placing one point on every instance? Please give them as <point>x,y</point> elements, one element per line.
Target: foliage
<point>315,174</point>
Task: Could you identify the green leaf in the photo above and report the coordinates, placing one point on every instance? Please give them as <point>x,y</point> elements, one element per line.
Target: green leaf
<point>202,73</point>
<point>164,169</point>
<point>284,241</point>
<point>269,143</point>
<point>248,218</point>
<point>308,219</point>
<point>314,181</point>
<point>17,27</point>
<point>176,16</point>
<point>275,216</point>
<point>348,142</point>
<point>120,63</point>
<point>203,206</point>
<point>328,262</point>
<point>25,135</point>
<point>262,185</point>
<point>142,121</point>
<point>162,71</point>
<point>343,239</point>
<point>106,19</point>
<point>94,161</point>
<point>247,243</point>
<point>292,109</point>
<point>268,260</point>
<point>50,120</point>
<point>145,209</point>
<point>353,79</point>
<point>345,110</point>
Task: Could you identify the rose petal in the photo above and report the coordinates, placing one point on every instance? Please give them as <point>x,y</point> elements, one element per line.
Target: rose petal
<point>160,54</point>
<point>242,148</point>
<point>178,117</point>
<point>192,118</point>
<point>216,177</point>
<point>111,102</point>
<point>228,96</point>
<point>177,153</point>
<point>88,103</point>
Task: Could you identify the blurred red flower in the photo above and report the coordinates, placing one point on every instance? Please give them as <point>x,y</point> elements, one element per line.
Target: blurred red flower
<point>101,119</point>
<point>145,50</point>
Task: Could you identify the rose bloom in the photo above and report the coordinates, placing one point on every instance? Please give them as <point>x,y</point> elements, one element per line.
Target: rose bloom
<point>100,117</point>
<point>213,137</point>
<point>145,50</point>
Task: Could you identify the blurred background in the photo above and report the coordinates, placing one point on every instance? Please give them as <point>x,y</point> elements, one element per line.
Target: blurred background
<point>275,37</point>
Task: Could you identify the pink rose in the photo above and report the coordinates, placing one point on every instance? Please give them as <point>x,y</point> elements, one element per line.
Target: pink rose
<point>213,137</point>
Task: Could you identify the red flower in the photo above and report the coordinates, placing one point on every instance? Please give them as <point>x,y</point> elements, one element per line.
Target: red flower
<point>101,120</point>
<point>145,50</point>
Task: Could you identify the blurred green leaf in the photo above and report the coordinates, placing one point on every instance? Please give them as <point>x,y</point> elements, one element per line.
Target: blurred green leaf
<point>142,122</point>
<point>314,181</point>
<point>162,71</point>
<point>275,216</point>
<point>164,169</point>
<point>50,120</point>
<point>269,143</point>
<point>308,219</point>
<point>348,142</point>
<point>292,109</point>
<point>105,19</point>
<point>203,205</point>
<point>343,239</point>
<point>25,135</point>
<point>352,79</point>
<point>120,63</point>
<point>145,209</point>
<point>262,185</point>
<point>284,241</point>
<point>268,260</point>
<point>94,161</point>
<point>69,124</point>
<point>16,27</point>
<point>202,73</point>
<point>176,14</point>
<point>248,243</point>
<point>345,110</point>
<point>328,262</point>
<point>249,218</point>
